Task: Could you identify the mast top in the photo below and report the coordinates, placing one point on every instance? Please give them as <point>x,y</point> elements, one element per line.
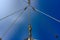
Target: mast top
<point>29,2</point>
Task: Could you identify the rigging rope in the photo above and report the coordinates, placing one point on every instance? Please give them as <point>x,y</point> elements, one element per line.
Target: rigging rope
<point>45,14</point>
<point>36,10</point>
<point>14,22</point>
<point>10,15</point>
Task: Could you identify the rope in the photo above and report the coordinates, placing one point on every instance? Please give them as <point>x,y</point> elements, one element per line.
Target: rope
<point>14,22</point>
<point>45,14</point>
<point>10,15</point>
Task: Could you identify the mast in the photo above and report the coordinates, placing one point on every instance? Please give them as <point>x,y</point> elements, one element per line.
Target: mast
<point>30,32</point>
<point>29,2</point>
<point>29,24</point>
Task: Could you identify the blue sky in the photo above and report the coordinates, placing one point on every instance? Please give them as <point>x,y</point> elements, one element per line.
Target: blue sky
<point>43,27</point>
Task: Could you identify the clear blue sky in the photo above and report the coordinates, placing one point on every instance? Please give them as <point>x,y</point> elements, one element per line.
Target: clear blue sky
<point>43,27</point>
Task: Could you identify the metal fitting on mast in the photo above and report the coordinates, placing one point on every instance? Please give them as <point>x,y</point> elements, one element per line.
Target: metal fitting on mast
<point>28,2</point>
<point>30,32</point>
